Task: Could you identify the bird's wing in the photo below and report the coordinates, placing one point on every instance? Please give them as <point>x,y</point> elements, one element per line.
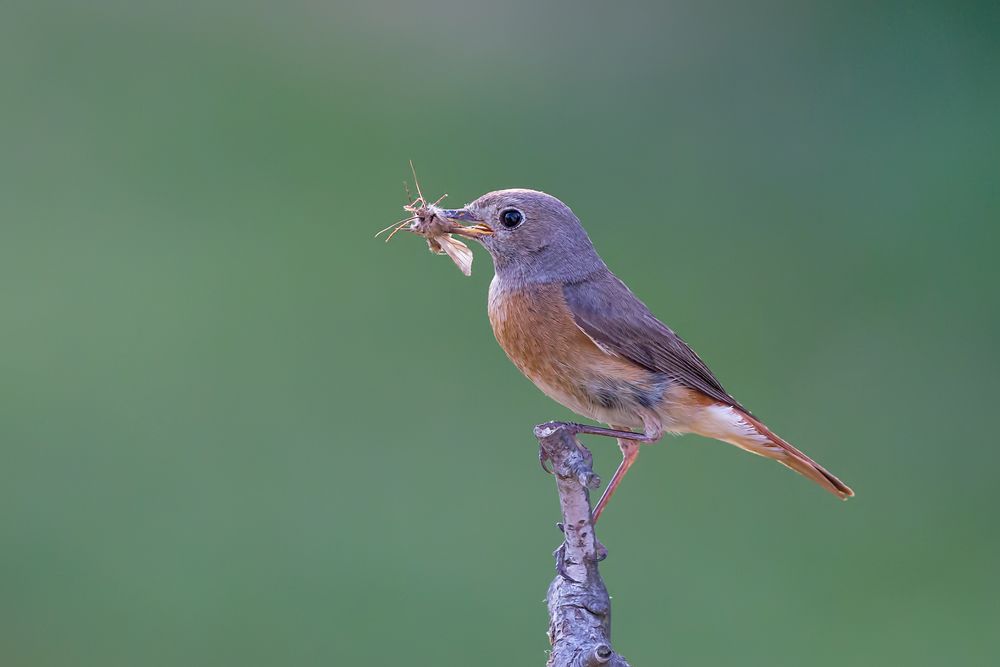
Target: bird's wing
<point>607,311</point>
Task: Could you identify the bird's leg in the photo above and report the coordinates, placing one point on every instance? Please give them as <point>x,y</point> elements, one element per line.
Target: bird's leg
<point>630,452</point>
<point>628,442</point>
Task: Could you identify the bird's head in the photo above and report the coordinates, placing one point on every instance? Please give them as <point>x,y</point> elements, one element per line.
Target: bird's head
<point>530,235</point>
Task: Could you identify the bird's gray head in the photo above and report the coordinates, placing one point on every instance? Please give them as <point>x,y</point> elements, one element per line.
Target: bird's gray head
<point>533,237</point>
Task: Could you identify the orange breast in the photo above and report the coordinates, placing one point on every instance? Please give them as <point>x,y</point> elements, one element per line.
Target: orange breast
<point>535,328</point>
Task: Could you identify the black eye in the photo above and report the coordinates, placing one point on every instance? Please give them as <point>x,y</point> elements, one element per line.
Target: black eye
<point>511,218</point>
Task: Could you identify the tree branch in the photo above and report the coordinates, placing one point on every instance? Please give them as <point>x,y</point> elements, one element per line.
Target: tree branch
<point>578,602</point>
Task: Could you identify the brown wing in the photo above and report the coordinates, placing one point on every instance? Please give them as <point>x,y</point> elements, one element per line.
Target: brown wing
<point>615,319</point>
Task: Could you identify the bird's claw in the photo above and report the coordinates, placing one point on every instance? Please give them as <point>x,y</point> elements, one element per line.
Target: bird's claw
<point>543,460</point>
<point>560,555</point>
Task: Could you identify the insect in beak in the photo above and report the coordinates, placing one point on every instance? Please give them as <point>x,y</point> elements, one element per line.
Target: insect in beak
<point>437,225</point>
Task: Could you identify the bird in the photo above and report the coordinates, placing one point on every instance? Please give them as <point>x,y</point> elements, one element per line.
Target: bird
<point>581,336</point>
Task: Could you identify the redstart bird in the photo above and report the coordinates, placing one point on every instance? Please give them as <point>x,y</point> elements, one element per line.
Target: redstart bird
<point>576,331</point>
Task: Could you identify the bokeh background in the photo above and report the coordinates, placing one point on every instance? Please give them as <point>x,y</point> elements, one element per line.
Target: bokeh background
<point>236,430</point>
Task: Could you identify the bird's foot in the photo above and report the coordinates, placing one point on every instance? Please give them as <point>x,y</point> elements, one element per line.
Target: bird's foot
<point>544,459</point>
<point>560,556</point>
<point>600,551</point>
<point>587,429</point>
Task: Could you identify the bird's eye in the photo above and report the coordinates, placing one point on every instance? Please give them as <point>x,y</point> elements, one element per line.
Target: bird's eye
<point>511,218</point>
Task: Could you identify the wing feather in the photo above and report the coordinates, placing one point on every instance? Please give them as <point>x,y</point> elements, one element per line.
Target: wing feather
<point>607,311</point>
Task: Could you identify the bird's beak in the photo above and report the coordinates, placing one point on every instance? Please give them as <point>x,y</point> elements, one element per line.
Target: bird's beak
<point>477,229</point>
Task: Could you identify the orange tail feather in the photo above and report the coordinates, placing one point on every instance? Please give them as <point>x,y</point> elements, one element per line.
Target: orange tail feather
<point>791,457</point>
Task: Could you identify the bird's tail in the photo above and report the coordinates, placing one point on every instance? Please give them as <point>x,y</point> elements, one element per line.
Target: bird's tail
<point>791,457</point>
<point>736,427</point>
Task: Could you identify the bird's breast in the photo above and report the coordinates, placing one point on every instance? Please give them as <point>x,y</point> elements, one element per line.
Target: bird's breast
<point>535,327</point>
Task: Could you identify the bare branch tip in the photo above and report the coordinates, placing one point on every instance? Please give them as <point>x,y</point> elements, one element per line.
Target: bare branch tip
<point>545,430</point>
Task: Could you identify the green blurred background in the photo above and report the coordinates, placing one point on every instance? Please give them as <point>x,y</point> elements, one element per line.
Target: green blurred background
<point>236,430</point>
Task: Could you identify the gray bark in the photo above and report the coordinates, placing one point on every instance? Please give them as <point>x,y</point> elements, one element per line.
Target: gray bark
<point>578,602</point>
